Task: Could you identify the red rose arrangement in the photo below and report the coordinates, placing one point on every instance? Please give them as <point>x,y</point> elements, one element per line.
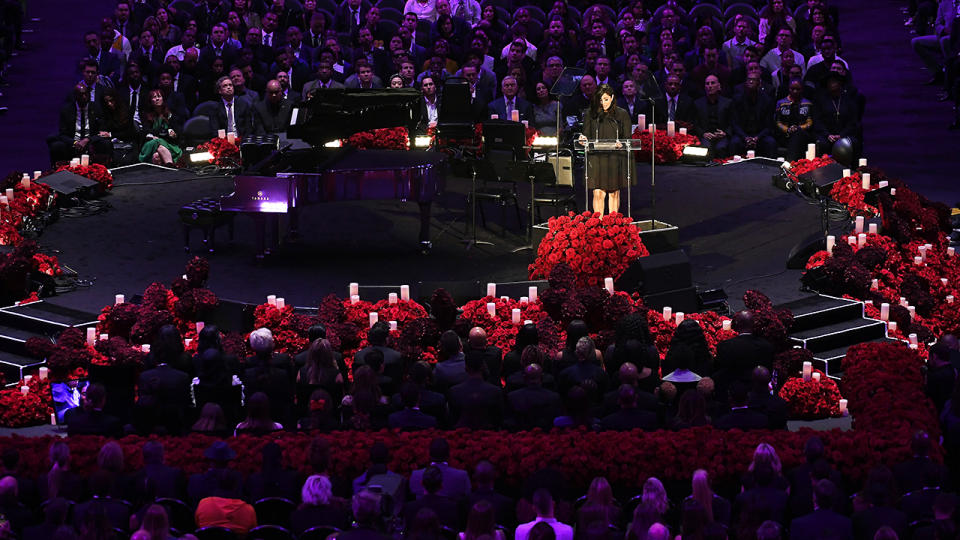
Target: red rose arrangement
<point>225,153</point>
<point>32,408</point>
<point>669,149</point>
<point>395,138</point>
<point>594,247</point>
<point>813,399</point>
<point>849,192</point>
<point>66,357</point>
<point>93,171</point>
<point>289,329</point>
<point>47,264</point>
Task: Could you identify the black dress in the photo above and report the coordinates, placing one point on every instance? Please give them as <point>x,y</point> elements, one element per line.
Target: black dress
<point>607,170</point>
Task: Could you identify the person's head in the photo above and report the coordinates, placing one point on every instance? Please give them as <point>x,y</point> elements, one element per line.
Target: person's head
<point>658,531</point>
<point>752,83</point>
<point>600,492</point>
<point>155,522</point>
<point>367,508</point>
<point>760,379</point>
<point>236,77</point>
<point>253,38</point>
<point>769,530</point>
<point>543,503</point>
<point>258,408</point>
<point>542,531</point>
<point>784,38</point>
<point>766,455</point>
<point>122,12</point>
<point>484,475</point>
<point>795,90</point>
<point>480,521</point>
<point>692,406</point>
<point>428,88</point>
<point>824,494</point>
<point>396,81</point>
<point>655,495</point>
<point>586,351</point>
<point>95,396</point>
<point>439,450</point>
<point>225,89</point>
<point>588,86</point>
<point>211,418</point>
<point>673,85</point>
<point>602,67</point>
<point>218,34</point>
<point>740,28</point>
<point>261,339</point>
<point>668,18</point>
<point>449,344</point>
<point>317,490</point>
<point>269,22</point>
<point>432,479</point>
<point>920,444</point>
<point>110,458</point>
<point>156,100</point>
<point>274,92</point>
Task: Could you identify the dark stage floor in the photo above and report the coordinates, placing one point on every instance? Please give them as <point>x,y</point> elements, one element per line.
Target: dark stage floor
<point>736,227</point>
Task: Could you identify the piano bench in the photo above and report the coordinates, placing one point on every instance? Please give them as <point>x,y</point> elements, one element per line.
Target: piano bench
<point>205,215</point>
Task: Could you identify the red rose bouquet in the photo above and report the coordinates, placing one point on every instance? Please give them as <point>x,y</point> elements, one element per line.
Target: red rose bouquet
<point>849,191</point>
<point>668,150</point>
<point>594,247</point>
<point>384,139</point>
<point>225,153</point>
<point>811,400</point>
<point>34,407</point>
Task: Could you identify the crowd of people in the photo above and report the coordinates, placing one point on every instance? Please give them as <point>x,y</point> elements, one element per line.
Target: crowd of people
<point>762,76</point>
<point>933,23</point>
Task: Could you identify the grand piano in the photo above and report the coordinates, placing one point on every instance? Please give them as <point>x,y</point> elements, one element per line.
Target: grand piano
<point>291,179</point>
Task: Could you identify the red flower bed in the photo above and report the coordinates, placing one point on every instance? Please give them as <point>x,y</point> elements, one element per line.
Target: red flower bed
<point>668,150</point>
<point>594,247</point>
<point>225,153</point>
<point>383,139</point>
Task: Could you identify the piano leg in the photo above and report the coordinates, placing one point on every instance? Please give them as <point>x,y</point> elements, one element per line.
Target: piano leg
<point>274,220</point>
<point>294,221</point>
<point>425,244</point>
<point>260,225</point>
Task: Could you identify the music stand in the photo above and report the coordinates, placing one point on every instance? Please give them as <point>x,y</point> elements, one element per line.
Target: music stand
<point>565,86</point>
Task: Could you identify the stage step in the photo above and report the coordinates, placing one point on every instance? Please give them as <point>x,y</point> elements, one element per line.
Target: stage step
<point>831,336</point>
<point>37,319</point>
<point>820,310</point>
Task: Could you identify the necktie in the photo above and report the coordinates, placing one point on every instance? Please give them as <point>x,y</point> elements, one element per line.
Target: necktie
<point>267,38</point>
<point>509,108</point>
<point>356,17</point>
<point>672,110</point>
<point>83,122</point>
<point>316,41</point>
<point>459,12</point>
<point>231,128</point>
<point>133,99</point>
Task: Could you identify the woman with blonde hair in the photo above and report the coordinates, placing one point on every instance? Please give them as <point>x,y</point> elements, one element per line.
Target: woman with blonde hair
<point>717,508</point>
<point>600,499</point>
<point>320,508</point>
<point>156,523</point>
<point>765,470</point>
<point>655,496</point>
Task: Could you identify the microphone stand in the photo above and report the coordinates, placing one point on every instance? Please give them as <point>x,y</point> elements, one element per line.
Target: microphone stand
<point>653,155</point>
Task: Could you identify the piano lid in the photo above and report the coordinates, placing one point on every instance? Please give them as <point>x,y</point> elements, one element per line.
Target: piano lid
<point>332,114</point>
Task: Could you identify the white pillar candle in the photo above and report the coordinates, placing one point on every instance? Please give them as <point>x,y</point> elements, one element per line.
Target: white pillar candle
<point>354,289</point>
<point>843,407</point>
<point>515,315</point>
<point>852,240</point>
<point>373,318</point>
<point>36,174</point>
<point>883,184</point>
<point>24,390</point>
<point>528,321</point>
<point>831,241</point>
<point>232,137</point>
<point>187,342</point>
<point>846,173</point>
<point>891,327</point>
<point>104,337</point>
<point>44,373</point>
<point>922,250</point>
<point>807,370</point>
<point>944,281</point>
<point>221,134</point>
<point>951,251</point>
<point>492,290</point>
<point>355,299</point>
<point>751,154</point>
<point>651,128</point>
<point>727,324</point>
<point>913,338</point>
<point>281,303</point>
<point>863,162</point>
<point>200,326</point>
<point>865,180</point>
<point>667,313</point>
<point>608,284</point>
<point>505,298</point>
<point>912,310</point>
<point>737,158</point>
<point>118,299</point>
<point>145,348</point>
<point>27,379</point>
<point>893,192</point>
<point>491,309</point>
<point>903,301</point>
<point>75,162</point>
<point>874,284</point>
<point>861,240</point>
<point>9,193</point>
<point>679,317</point>
<point>25,183</point>
<point>872,228</point>
<point>532,293</point>
<point>641,122</point>
<point>884,311</point>
<point>859,224</point>
<point>949,298</point>
<point>405,293</point>
<point>683,131</point>
<point>918,260</point>
<point>393,325</point>
<point>392,298</point>
<point>671,128</point>
<point>53,419</point>
<point>816,376</point>
<point>811,151</point>
<point>515,115</point>
<point>524,300</point>
<point>494,116</point>
<point>913,346</point>
<point>85,159</point>
<point>272,299</point>
<point>4,200</point>
<point>91,336</point>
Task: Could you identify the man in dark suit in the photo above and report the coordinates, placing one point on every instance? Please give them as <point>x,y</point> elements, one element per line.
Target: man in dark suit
<point>209,13</point>
<point>392,359</point>
<point>753,119</point>
<point>165,396</point>
<point>148,55</point>
<point>165,481</point>
<point>350,17</point>
<point>765,498</point>
<point>484,477</point>
<point>368,513</point>
<point>298,72</point>
<point>533,405</point>
<point>630,101</point>
<point>176,101</point>
<point>183,83</point>
<point>504,106</point>
<point>456,482</point>
<point>54,516</point>
<point>77,131</point>
<point>491,355</point>
<point>880,511</point>
<point>90,418</point>
<point>116,511</point>
<point>628,374</point>
<point>16,513</point>
<point>475,403</point>
<point>218,48</point>
<point>108,62</point>
<point>823,522</point>
<point>674,105</point>
<point>410,417</point>
<point>233,115</point>
<point>763,401</point>
<point>741,416</point>
<point>738,356</point>
<point>586,368</point>
<point>446,508</point>
<point>714,119</point>
<point>450,369</point>
<point>479,96</point>
<point>133,92</point>
<point>431,403</point>
<point>267,375</point>
<point>630,416</point>
<point>910,473</point>
<point>273,112</point>
<point>271,36</point>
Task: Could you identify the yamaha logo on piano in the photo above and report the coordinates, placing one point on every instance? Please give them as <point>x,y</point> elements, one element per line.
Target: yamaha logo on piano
<point>260,197</point>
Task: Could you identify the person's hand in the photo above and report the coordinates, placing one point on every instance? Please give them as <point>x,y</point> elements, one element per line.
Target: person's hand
<point>720,134</point>
<point>709,136</point>
<point>751,142</point>
<point>172,133</point>
<point>618,145</point>
<point>582,139</point>
<point>833,138</point>
<point>81,144</point>
<point>104,133</point>
<point>793,129</point>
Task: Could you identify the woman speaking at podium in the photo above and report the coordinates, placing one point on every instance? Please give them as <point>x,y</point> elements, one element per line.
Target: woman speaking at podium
<point>607,171</point>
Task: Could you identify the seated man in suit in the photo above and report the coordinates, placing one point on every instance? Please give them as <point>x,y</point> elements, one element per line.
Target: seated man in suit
<point>410,417</point>
<point>476,403</point>
<point>738,356</point>
<point>674,105</point>
<point>392,359</point>
<point>90,419</point>
<point>324,79</point>
<point>273,112</point>
<point>823,522</point>
<point>714,119</point>
<point>456,482</point>
<point>491,355</point>
<point>233,115</point>
<point>630,416</point>
<point>445,507</point>
<point>753,119</point>
<point>741,416</point>
<point>504,106</point>
<point>78,129</point>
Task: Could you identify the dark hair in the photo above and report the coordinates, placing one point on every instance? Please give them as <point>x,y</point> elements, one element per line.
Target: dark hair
<point>449,344</point>
<point>410,394</point>
<point>439,449</point>
<point>374,359</point>
<point>432,479</point>
<point>690,333</point>
<point>575,330</point>
<point>527,335</point>
<point>319,331</point>
<point>542,531</point>
<point>378,333</point>
<point>692,409</point>
<point>480,521</point>
<point>596,107</point>
<point>680,356</point>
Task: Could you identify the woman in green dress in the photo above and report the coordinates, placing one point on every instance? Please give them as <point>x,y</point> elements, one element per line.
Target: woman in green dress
<point>161,130</point>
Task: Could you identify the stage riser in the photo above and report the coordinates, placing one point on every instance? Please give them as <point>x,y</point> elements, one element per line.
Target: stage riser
<point>832,340</point>
<point>832,314</point>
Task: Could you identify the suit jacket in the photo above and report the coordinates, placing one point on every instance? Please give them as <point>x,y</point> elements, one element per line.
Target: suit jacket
<point>411,419</point>
<point>745,419</point>
<point>110,64</point>
<point>476,404</point>
<point>205,484</point>
<point>143,96</point>
<point>431,403</point>
<point>449,372</point>
<point>499,107</point>
<point>118,513</point>
<point>724,116</point>
<point>344,23</point>
<point>758,112</point>
<point>686,112</point>
<point>67,124</point>
<point>822,524</point>
<point>634,107</point>
<point>82,422</point>
<point>208,54</point>
<point>309,87</point>
<point>769,502</point>
<point>243,116</point>
<point>447,510</point>
<point>150,62</point>
<point>274,382</point>
<point>910,473</point>
<point>167,482</point>
<point>169,387</point>
<point>738,356</point>
<point>629,419</point>
<point>504,508</point>
<point>300,76</point>
<point>773,406</point>
<point>534,406</point>
<point>456,482</point>
<point>274,118</point>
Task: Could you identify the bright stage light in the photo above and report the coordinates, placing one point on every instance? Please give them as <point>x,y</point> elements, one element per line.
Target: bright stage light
<point>333,144</point>
<point>541,140</point>
<point>197,157</point>
<point>421,141</point>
